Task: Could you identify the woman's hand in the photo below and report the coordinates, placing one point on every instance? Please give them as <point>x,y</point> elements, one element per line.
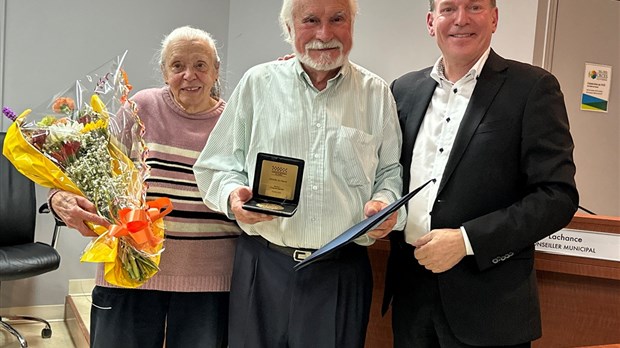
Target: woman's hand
<point>287,57</point>
<point>75,211</point>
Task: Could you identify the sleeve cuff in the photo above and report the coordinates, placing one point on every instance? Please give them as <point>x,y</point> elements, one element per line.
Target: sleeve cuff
<point>50,206</point>
<point>468,247</point>
<point>225,200</point>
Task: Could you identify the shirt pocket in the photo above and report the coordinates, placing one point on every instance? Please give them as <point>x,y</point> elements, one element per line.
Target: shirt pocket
<point>356,156</point>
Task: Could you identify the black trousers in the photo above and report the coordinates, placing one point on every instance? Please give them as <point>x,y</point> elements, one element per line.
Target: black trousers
<point>418,318</point>
<point>132,318</point>
<point>326,304</point>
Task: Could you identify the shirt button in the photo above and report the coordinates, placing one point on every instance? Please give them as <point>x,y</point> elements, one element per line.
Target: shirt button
<point>441,149</point>
<point>316,155</point>
<point>318,125</point>
<point>455,90</point>
<point>315,187</point>
<point>448,119</point>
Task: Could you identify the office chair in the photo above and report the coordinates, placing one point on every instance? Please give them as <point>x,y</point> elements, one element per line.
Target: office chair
<point>20,256</point>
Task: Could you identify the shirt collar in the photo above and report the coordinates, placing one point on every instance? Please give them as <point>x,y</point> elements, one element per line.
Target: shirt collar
<point>438,71</point>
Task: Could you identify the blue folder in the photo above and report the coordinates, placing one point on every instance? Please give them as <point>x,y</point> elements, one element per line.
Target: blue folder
<point>359,229</point>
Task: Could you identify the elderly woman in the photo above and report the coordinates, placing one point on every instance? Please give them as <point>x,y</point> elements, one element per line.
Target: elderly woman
<point>186,303</point>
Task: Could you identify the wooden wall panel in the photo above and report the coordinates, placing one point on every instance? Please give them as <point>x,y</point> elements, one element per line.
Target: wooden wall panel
<point>578,310</point>
<point>379,334</point>
<point>580,297</point>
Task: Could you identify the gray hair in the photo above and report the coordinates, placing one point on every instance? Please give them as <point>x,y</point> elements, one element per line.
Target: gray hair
<point>189,34</point>
<point>431,4</point>
<point>286,16</point>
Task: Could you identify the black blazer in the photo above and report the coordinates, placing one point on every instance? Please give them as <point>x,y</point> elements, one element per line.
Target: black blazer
<point>509,181</point>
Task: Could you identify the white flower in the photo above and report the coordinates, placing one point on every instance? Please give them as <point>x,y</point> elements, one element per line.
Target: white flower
<point>64,132</point>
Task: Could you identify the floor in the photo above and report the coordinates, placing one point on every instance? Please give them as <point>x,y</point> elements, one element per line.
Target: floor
<point>71,332</point>
<point>32,332</point>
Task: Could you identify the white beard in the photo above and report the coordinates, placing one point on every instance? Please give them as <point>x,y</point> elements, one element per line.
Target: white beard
<point>324,62</point>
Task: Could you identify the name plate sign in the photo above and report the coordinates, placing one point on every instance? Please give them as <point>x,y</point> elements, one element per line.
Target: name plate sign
<point>594,245</point>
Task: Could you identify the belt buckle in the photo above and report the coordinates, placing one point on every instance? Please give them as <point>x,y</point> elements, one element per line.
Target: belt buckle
<point>300,255</point>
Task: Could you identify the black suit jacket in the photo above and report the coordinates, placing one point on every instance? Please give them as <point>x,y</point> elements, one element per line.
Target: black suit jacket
<point>509,181</point>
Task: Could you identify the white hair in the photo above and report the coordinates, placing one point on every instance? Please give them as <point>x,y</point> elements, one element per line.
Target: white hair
<point>187,33</point>
<point>286,17</point>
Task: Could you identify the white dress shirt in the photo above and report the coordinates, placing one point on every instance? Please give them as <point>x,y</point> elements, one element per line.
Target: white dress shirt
<point>434,144</point>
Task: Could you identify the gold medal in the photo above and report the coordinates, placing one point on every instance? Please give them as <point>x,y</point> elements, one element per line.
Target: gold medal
<point>271,206</point>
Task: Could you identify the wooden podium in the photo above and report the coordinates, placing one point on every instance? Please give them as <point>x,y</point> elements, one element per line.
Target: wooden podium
<point>580,297</point>
<point>379,334</point>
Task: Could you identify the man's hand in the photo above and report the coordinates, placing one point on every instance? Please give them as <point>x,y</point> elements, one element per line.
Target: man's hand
<point>237,198</point>
<point>75,211</point>
<point>373,207</point>
<point>439,250</point>
<point>287,57</point>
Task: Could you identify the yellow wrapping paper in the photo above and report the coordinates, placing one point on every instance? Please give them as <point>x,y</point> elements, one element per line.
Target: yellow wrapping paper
<point>33,164</point>
<point>130,247</point>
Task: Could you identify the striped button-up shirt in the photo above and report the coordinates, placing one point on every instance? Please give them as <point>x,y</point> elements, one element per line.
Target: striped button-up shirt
<point>347,134</point>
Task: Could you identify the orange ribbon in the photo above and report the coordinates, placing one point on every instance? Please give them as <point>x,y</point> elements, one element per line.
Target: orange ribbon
<point>137,222</point>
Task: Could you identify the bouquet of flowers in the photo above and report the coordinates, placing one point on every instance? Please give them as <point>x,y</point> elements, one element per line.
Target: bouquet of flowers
<point>88,140</point>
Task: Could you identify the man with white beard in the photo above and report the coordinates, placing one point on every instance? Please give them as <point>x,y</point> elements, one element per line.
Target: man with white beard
<point>340,119</point>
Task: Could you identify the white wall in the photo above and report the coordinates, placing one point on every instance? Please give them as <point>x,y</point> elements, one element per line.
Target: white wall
<point>44,51</point>
<point>392,40</point>
<point>595,134</point>
<point>516,32</point>
<point>253,37</point>
<point>390,37</point>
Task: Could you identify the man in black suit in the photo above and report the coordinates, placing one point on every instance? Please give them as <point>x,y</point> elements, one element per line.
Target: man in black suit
<point>495,135</point>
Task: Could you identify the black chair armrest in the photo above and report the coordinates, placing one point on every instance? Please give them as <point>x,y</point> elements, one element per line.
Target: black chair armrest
<point>45,209</point>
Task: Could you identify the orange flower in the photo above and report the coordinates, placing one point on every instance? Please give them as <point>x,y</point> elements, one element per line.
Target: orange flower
<point>63,105</point>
